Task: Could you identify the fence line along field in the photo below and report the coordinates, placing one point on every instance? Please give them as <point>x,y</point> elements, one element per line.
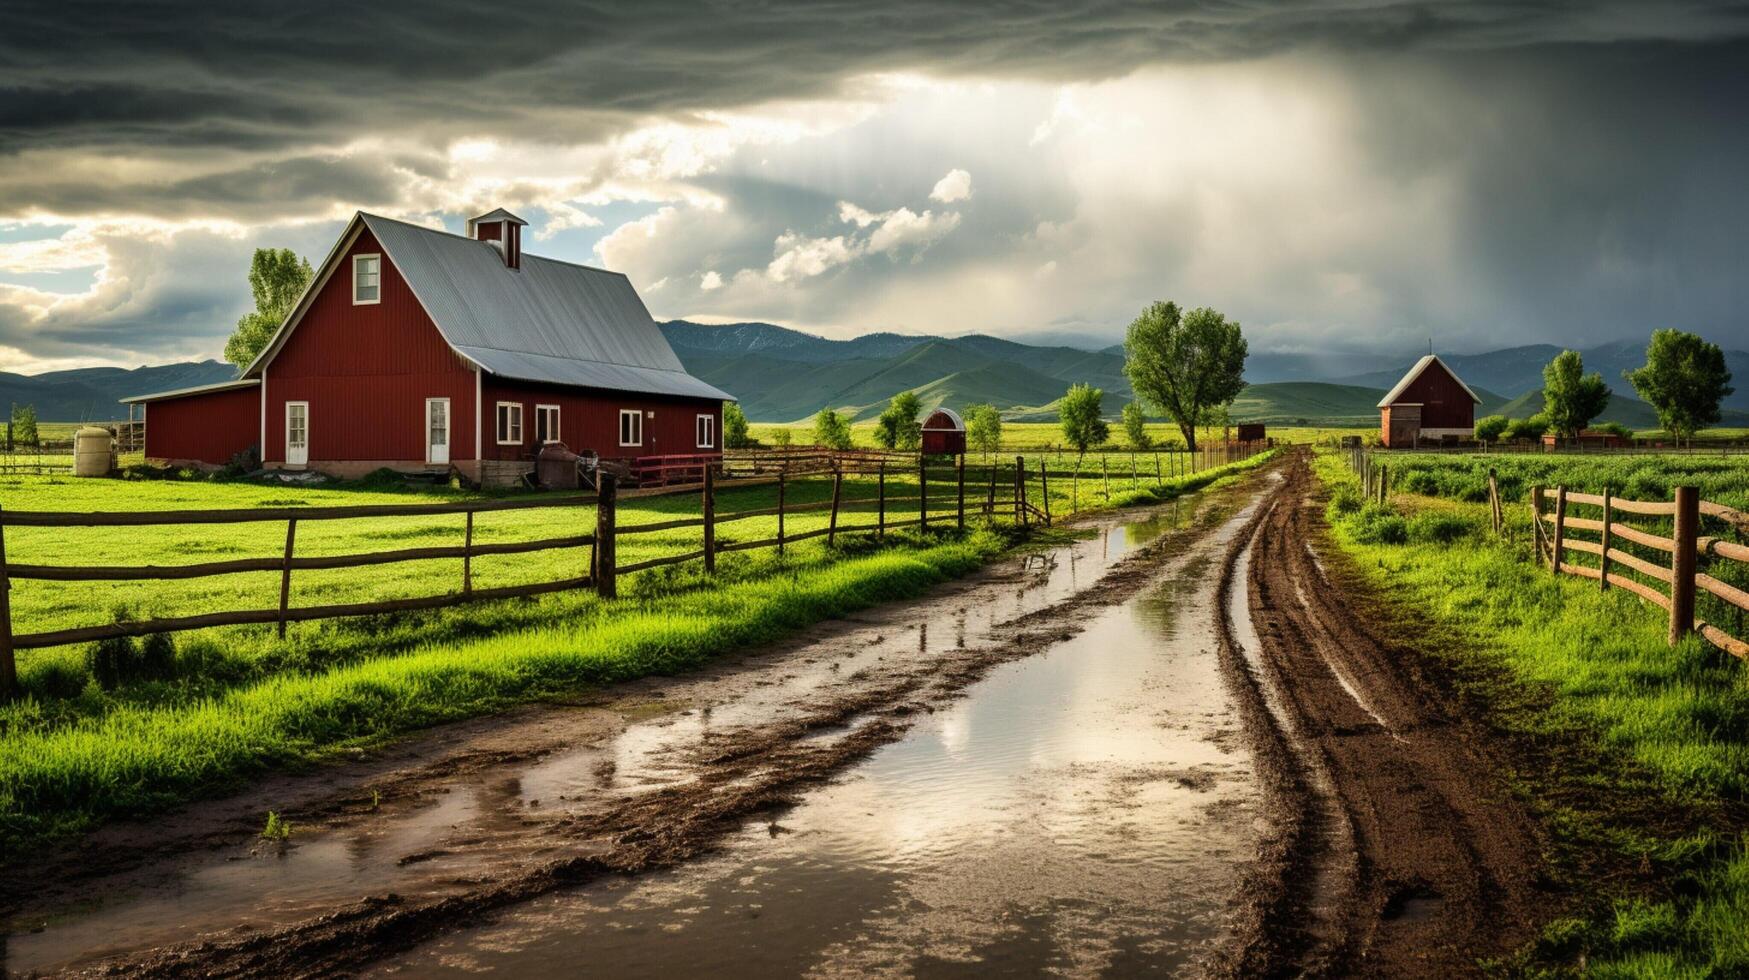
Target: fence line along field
<point>196,555</point>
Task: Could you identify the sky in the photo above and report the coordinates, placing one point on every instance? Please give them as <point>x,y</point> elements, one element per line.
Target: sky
<point>1337,175</point>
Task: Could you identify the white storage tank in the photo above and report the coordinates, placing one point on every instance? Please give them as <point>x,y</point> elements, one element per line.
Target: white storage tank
<point>93,452</point>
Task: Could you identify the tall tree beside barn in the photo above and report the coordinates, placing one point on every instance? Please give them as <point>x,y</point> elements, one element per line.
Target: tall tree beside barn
<point>735,427</point>
<point>984,428</point>
<point>1185,364</point>
<point>1079,413</point>
<point>277,277</point>
<point>1572,398</point>
<point>1684,379</point>
<point>898,426</point>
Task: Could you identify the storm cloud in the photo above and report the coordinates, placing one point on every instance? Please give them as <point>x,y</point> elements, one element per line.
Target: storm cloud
<point>1330,172</point>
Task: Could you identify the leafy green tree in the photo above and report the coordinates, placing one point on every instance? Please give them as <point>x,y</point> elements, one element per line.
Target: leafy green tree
<point>1491,428</point>
<point>899,427</point>
<point>735,427</point>
<point>831,430</point>
<point>783,437</point>
<point>1079,414</point>
<point>1684,379</point>
<point>1135,426</point>
<point>277,277</point>
<point>1185,364</point>
<point>24,425</point>
<point>1615,429</point>
<point>984,428</point>
<point>1530,428</point>
<point>1572,398</point>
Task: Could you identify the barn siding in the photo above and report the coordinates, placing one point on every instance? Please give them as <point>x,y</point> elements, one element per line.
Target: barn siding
<point>209,428</point>
<point>589,420</point>
<point>366,372</point>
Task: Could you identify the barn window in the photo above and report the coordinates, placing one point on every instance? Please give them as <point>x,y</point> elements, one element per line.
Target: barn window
<point>631,427</point>
<point>509,423</point>
<point>546,423</point>
<point>707,431</point>
<point>367,279</point>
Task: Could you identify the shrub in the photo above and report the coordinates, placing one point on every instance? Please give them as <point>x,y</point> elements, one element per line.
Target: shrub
<point>157,660</point>
<point>1375,524</point>
<point>56,680</point>
<point>111,661</point>
<point>1614,429</point>
<point>1438,528</point>
<point>1492,428</point>
<point>1530,428</point>
<point>1343,502</point>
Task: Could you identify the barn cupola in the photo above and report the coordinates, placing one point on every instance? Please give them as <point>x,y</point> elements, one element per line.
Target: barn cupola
<point>503,230</point>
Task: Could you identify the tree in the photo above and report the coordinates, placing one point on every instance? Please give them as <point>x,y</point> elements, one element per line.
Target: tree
<point>898,426</point>
<point>277,277</point>
<point>1684,379</point>
<point>782,437</point>
<point>1185,364</point>
<point>735,427</point>
<point>1530,428</point>
<point>24,425</point>
<point>984,428</point>
<point>1079,413</point>
<point>1492,427</point>
<point>831,430</point>
<point>1572,398</point>
<point>1135,426</point>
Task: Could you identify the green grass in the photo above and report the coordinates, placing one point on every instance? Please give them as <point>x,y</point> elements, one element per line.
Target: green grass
<point>1626,723</point>
<point>237,701</point>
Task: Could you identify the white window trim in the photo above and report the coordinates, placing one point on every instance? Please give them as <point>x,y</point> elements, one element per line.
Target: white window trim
<point>499,435</point>
<point>709,428</point>
<point>367,302</point>
<point>639,415</point>
<point>448,427</point>
<point>552,436</point>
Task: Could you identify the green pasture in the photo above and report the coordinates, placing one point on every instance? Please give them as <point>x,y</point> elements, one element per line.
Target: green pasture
<point>1025,436</point>
<point>1631,730</point>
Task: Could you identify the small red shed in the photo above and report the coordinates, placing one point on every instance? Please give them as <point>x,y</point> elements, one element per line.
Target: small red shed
<point>944,433</point>
<point>1431,402</point>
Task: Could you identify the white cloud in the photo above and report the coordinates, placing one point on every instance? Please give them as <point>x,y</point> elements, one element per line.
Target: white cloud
<point>904,228</point>
<point>956,186</point>
<point>710,281</point>
<point>801,257</point>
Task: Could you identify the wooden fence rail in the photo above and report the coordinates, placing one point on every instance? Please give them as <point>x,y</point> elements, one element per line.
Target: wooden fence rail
<point>1676,580</point>
<point>1025,501</point>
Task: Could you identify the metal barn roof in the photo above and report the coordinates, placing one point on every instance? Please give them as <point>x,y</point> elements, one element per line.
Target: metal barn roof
<point>159,396</point>
<point>548,321</point>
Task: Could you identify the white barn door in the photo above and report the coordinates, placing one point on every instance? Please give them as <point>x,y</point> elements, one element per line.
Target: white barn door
<point>437,430</point>
<point>297,433</point>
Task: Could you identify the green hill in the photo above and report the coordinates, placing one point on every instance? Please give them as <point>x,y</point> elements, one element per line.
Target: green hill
<point>1631,412</point>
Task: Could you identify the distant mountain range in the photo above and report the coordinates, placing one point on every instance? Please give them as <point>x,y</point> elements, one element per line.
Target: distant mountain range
<point>784,375</point>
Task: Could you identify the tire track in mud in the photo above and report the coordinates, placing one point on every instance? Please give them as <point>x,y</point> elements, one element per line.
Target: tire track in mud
<point>741,773</point>
<point>1396,851</point>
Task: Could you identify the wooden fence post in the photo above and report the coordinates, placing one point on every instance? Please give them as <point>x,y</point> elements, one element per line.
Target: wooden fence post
<point>1134,479</point>
<point>922,494</point>
<point>1384,483</point>
<point>881,501</point>
<point>1156,468</point>
<point>1044,488</point>
<point>468,555</point>
<point>832,522</point>
<point>8,664</point>
<point>606,554</point>
<point>1075,489</point>
<point>1603,559</point>
<point>1105,477</point>
<point>1020,490</point>
<point>781,482</point>
<point>291,533</point>
<point>1536,519</point>
<point>959,467</point>
<point>1560,524</point>
<point>1682,563</point>
<point>709,505</point>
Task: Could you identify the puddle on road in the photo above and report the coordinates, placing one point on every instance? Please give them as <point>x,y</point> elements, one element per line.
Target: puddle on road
<point>1089,807</point>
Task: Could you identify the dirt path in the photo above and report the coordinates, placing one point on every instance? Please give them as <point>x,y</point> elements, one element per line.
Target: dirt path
<point>1401,854</point>
<point>1385,849</point>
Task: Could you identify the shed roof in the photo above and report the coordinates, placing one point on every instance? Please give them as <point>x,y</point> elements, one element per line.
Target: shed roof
<point>1415,372</point>
<point>547,321</point>
<point>953,416</point>
<point>159,396</point>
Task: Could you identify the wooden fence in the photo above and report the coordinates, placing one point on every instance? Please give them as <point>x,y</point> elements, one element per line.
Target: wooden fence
<point>1670,580</point>
<point>944,493</point>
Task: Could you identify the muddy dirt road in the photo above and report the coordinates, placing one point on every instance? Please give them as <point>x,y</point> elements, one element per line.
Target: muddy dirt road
<point>1169,748</point>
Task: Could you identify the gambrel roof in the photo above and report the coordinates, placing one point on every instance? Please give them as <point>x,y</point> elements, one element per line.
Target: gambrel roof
<point>547,321</point>
<point>1416,371</point>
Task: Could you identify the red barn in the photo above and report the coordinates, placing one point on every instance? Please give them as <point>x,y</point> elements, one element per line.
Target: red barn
<point>420,350</point>
<point>1431,402</point>
<point>944,433</point>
